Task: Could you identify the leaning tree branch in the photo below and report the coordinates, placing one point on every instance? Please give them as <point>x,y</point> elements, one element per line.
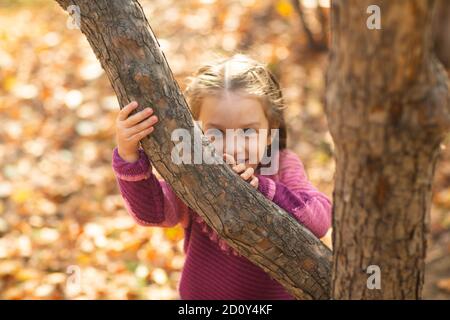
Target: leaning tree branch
<point>128,50</point>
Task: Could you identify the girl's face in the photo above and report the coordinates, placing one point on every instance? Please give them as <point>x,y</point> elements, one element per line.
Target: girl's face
<point>234,111</point>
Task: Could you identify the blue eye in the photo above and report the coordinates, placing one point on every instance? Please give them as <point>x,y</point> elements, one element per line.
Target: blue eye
<point>215,130</point>
<point>250,131</point>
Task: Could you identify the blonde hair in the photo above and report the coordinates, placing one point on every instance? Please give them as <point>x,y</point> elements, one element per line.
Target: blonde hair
<point>239,72</point>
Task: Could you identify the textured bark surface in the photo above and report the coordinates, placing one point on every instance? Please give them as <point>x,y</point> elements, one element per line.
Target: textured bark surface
<point>387,108</point>
<point>441,31</point>
<point>122,40</point>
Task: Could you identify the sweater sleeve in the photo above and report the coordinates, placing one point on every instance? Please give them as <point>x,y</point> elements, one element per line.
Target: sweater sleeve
<point>151,202</point>
<point>295,194</point>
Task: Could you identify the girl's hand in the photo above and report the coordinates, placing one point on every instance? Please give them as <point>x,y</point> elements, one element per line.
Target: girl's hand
<point>131,129</point>
<point>246,173</point>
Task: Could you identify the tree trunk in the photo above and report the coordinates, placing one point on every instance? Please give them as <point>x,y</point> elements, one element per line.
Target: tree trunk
<point>122,40</point>
<point>388,111</point>
<point>441,34</point>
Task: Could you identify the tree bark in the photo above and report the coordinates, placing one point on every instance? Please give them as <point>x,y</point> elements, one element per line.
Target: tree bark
<point>122,40</point>
<point>387,108</point>
<point>441,34</point>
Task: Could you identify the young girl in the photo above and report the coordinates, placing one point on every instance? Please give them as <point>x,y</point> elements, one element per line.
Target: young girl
<point>231,93</point>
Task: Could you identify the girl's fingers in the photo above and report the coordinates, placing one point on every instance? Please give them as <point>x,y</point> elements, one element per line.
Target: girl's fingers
<point>142,125</point>
<point>248,173</point>
<point>138,117</point>
<point>229,159</point>
<point>125,111</point>
<point>138,136</point>
<point>239,167</point>
<point>254,182</point>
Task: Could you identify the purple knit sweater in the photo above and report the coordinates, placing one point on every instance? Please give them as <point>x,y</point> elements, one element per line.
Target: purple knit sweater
<point>213,270</point>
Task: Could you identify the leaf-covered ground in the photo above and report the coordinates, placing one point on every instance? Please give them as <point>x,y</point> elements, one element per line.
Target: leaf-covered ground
<point>64,231</point>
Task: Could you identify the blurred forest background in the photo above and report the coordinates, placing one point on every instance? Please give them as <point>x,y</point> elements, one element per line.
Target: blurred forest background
<point>60,209</point>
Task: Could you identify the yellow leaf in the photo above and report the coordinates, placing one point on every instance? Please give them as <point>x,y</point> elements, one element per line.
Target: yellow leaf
<point>284,8</point>
<point>83,259</point>
<point>21,195</point>
<point>174,234</point>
